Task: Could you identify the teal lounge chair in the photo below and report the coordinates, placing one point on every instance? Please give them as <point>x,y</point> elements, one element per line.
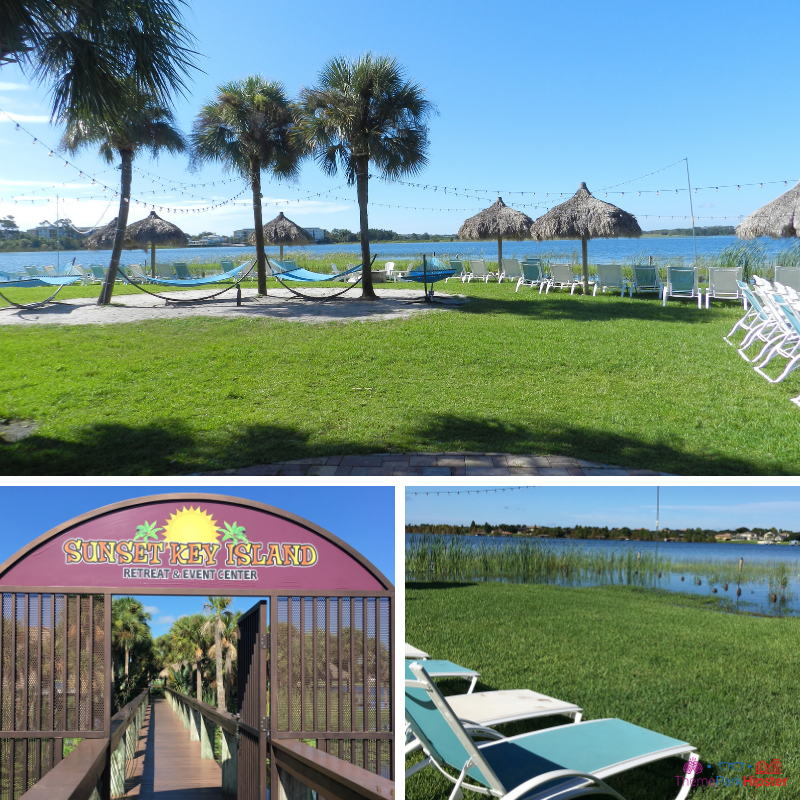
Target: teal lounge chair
<point>487,709</point>
<point>562,762</point>
<point>182,271</point>
<point>97,272</point>
<point>562,277</point>
<point>415,654</point>
<point>682,282</point>
<point>532,275</point>
<point>646,279</point>
<point>788,276</point>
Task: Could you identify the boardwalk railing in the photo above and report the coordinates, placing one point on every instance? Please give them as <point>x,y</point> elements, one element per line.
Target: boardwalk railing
<point>301,768</point>
<point>95,770</point>
<point>202,720</point>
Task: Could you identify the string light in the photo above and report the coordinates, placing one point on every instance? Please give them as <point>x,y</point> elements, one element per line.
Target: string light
<point>474,491</point>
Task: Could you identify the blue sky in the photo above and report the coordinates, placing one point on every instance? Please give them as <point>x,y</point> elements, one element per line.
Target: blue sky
<point>362,517</point>
<point>532,96</point>
<point>714,507</point>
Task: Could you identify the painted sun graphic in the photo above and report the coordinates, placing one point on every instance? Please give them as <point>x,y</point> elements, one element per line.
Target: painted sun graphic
<point>191,525</point>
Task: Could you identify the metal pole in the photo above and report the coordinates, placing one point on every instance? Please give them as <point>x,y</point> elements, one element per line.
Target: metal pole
<point>691,209</point>
<point>58,229</point>
<point>657,510</point>
<point>425,274</point>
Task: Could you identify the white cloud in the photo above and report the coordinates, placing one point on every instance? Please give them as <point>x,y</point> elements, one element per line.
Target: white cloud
<point>12,87</point>
<point>167,619</point>
<point>151,609</point>
<point>7,117</point>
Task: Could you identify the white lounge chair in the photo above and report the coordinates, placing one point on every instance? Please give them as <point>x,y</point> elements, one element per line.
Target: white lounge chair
<point>511,270</point>
<point>609,276</point>
<point>562,277</point>
<point>562,762</point>
<point>682,282</point>
<point>479,271</point>
<point>723,284</point>
<point>532,275</point>
<point>414,653</point>
<point>788,276</point>
<point>646,279</point>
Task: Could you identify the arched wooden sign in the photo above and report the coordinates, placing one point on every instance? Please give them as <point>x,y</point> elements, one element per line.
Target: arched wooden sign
<point>191,544</point>
<point>323,630</point>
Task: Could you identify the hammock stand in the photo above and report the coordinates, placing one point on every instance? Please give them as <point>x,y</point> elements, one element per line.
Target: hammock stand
<point>60,282</point>
<point>438,273</point>
<point>194,299</point>
<point>302,296</point>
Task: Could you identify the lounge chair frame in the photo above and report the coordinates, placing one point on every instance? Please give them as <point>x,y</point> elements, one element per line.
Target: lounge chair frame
<point>609,281</point>
<point>671,290</point>
<point>582,783</point>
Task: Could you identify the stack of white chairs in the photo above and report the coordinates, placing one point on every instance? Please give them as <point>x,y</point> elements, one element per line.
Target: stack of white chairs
<point>773,322</point>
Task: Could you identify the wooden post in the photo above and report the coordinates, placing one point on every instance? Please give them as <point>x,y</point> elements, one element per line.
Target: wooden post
<point>230,759</point>
<point>499,255</point>
<point>130,741</point>
<point>207,734</point>
<point>291,788</point>
<point>585,261</point>
<point>152,260</point>
<point>118,770</point>
<point>196,721</point>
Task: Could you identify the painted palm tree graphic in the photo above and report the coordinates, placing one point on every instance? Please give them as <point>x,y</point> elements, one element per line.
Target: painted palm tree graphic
<point>147,531</point>
<point>233,531</point>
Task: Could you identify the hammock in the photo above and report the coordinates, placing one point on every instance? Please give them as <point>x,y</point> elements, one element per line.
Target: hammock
<point>60,282</point>
<point>230,275</point>
<point>435,271</point>
<point>315,277</point>
<point>300,274</point>
<point>224,276</point>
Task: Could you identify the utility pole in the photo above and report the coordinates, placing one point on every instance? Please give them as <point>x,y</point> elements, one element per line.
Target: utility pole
<point>657,510</point>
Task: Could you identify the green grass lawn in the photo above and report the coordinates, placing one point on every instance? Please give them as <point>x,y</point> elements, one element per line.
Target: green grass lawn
<point>607,379</point>
<point>668,662</point>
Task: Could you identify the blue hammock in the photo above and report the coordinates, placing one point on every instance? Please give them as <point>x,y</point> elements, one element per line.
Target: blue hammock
<point>43,281</point>
<point>436,271</point>
<point>300,274</point>
<point>230,275</point>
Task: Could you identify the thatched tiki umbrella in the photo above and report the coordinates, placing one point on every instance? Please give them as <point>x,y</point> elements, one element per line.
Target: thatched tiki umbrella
<point>497,222</point>
<point>152,231</point>
<point>103,238</point>
<point>778,219</point>
<point>282,231</point>
<point>585,217</point>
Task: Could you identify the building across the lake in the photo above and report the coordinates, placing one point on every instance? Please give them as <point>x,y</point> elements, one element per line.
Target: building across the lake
<point>243,234</point>
<point>317,234</point>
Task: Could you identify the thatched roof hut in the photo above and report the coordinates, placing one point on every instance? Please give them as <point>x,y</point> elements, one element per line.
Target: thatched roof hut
<point>282,231</point>
<point>497,222</point>
<point>152,231</point>
<point>585,217</point>
<point>103,238</point>
<point>779,219</point>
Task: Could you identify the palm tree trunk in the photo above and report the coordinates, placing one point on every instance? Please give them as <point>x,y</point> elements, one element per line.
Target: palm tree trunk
<point>228,676</point>
<point>127,659</point>
<point>199,683</point>
<point>362,188</point>
<point>220,680</point>
<point>261,259</point>
<point>119,238</point>
<point>152,260</point>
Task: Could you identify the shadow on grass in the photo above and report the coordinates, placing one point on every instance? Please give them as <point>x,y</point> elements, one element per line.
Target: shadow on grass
<point>452,432</point>
<point>437,585</point>
<point>170,447</point>
<point>594,309</point>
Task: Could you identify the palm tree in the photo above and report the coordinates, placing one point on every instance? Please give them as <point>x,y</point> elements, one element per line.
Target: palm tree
<point>217,606</point>
<point>190,642</point>
<point>248,128</point>
<point>128,626</point>
<point>147,125</point>
<point>365,112</point>
<point>230,637</point>
<point>91,53</point>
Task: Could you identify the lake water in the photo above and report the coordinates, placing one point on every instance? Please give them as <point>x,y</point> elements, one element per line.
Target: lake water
<point>755,593</point>
<point>601,251</point>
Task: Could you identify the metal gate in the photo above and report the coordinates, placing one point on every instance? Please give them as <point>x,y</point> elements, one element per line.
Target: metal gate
<point>331,676</point>
<point>54,680</point>
<point>252,704</point>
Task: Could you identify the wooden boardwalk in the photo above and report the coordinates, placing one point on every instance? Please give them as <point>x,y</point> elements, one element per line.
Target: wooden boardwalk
<point>167,765</point>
